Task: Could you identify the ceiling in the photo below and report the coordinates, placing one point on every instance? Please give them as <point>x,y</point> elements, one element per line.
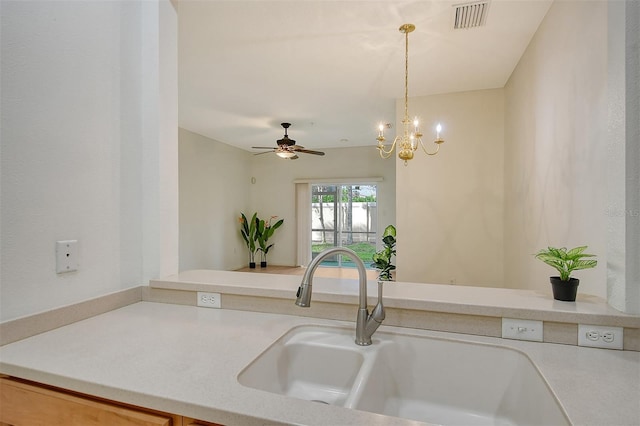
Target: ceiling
<point>333,69</point>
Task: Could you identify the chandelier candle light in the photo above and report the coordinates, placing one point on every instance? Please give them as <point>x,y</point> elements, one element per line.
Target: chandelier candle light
<point>408,142</point>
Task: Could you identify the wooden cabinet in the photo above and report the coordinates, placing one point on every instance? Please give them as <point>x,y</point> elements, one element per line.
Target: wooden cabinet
<point>28,403</point>
<point>187,421</point>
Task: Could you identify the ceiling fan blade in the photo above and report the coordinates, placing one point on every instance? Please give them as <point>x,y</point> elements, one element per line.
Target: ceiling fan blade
<point>265,152</point>
<point>262,147</point>
<point>308,151</point>
<point>295,157</point>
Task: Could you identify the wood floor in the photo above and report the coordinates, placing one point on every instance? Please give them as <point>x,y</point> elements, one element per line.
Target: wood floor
<point>328,272</point>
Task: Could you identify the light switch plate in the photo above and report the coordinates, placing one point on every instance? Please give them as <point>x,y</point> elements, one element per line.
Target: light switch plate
<point>520,329</point>
<point>66,256</point>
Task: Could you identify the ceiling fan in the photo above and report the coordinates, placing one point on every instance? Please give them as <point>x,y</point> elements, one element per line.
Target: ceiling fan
<point>287,148</point>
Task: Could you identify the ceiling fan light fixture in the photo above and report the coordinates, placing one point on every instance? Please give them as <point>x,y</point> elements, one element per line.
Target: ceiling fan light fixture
<point>285,154</point>
<point>287,148</point>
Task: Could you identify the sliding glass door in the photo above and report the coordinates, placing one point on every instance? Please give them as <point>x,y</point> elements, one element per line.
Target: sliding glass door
<point>344,215</point>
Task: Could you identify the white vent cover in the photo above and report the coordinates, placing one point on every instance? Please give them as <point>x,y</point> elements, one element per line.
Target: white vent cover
<point>470,15</point>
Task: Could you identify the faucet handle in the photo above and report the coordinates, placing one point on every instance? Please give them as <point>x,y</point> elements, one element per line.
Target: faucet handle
<point>378,312</point>
<point>377,315</point>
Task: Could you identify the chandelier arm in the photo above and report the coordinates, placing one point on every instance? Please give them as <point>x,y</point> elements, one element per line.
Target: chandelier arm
<point>389,152</point>
<point>430,153</point>
<point>385,155</point>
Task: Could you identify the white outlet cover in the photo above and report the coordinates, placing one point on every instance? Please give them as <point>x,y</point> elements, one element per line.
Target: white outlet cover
<point>208,300</point>
<point>66,256</point>
<point>520,329</point>
<point>596,336</point>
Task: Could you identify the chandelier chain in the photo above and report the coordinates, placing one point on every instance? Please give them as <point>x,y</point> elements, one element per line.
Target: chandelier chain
<point>406,75</point>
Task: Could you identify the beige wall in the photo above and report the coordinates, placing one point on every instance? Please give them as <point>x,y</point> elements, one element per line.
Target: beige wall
<point>555,146</point>
<point>274,190</point>
<point>450,207</point>
<point>623,151</point>
<point>215,186</point>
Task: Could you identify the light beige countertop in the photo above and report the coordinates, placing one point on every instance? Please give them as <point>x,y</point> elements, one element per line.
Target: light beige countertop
<point>468,300</point>
<point>185,360</point>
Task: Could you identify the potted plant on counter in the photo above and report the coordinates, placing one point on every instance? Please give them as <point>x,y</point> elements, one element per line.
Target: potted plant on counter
<point>264,232</point>
<point>566,261</point>
<point>248,232</point>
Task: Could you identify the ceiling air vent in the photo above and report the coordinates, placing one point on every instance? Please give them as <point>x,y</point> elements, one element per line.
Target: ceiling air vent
<point>470,15</point>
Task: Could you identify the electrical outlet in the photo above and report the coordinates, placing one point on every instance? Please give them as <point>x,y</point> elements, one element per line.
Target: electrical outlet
<point>520,329</point>
<point>66,256</point>
<point>209,300</point>
<point>596,336</point>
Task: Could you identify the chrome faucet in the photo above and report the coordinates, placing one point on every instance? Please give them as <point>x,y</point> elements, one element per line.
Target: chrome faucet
<point>366,324</point>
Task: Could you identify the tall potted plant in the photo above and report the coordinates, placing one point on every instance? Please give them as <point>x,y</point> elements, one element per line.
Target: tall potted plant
<point>248,231</point>
<point>566,261</point>
<point>382,258</point>
<point>264,231</point>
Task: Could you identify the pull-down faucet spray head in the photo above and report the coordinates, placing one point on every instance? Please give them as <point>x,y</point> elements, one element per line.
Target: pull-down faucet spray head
<point>303,296</point>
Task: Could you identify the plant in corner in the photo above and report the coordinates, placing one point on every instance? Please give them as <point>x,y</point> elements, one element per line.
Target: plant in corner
<point>264,231</point>
<point>382,258</point>
<point>566,261</point>
<point>248,232</point>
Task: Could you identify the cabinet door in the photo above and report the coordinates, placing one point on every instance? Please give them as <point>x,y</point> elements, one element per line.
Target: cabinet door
<point>188,421</point>
<point>27,404</point>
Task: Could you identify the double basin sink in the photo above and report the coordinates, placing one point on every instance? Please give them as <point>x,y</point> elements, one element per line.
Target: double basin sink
<point>433,380</point>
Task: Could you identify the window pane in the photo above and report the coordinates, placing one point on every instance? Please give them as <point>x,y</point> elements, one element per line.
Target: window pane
<point>344,216</point>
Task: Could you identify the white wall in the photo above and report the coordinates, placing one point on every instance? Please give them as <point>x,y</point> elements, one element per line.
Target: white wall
<point>159,116</point>
<point>74,140</point>
<point>449,207</point>
<point>555,147</point>
<point>214,188</point>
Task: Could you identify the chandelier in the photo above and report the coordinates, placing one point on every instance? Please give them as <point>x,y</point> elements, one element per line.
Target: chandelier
<point>411,138</point>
